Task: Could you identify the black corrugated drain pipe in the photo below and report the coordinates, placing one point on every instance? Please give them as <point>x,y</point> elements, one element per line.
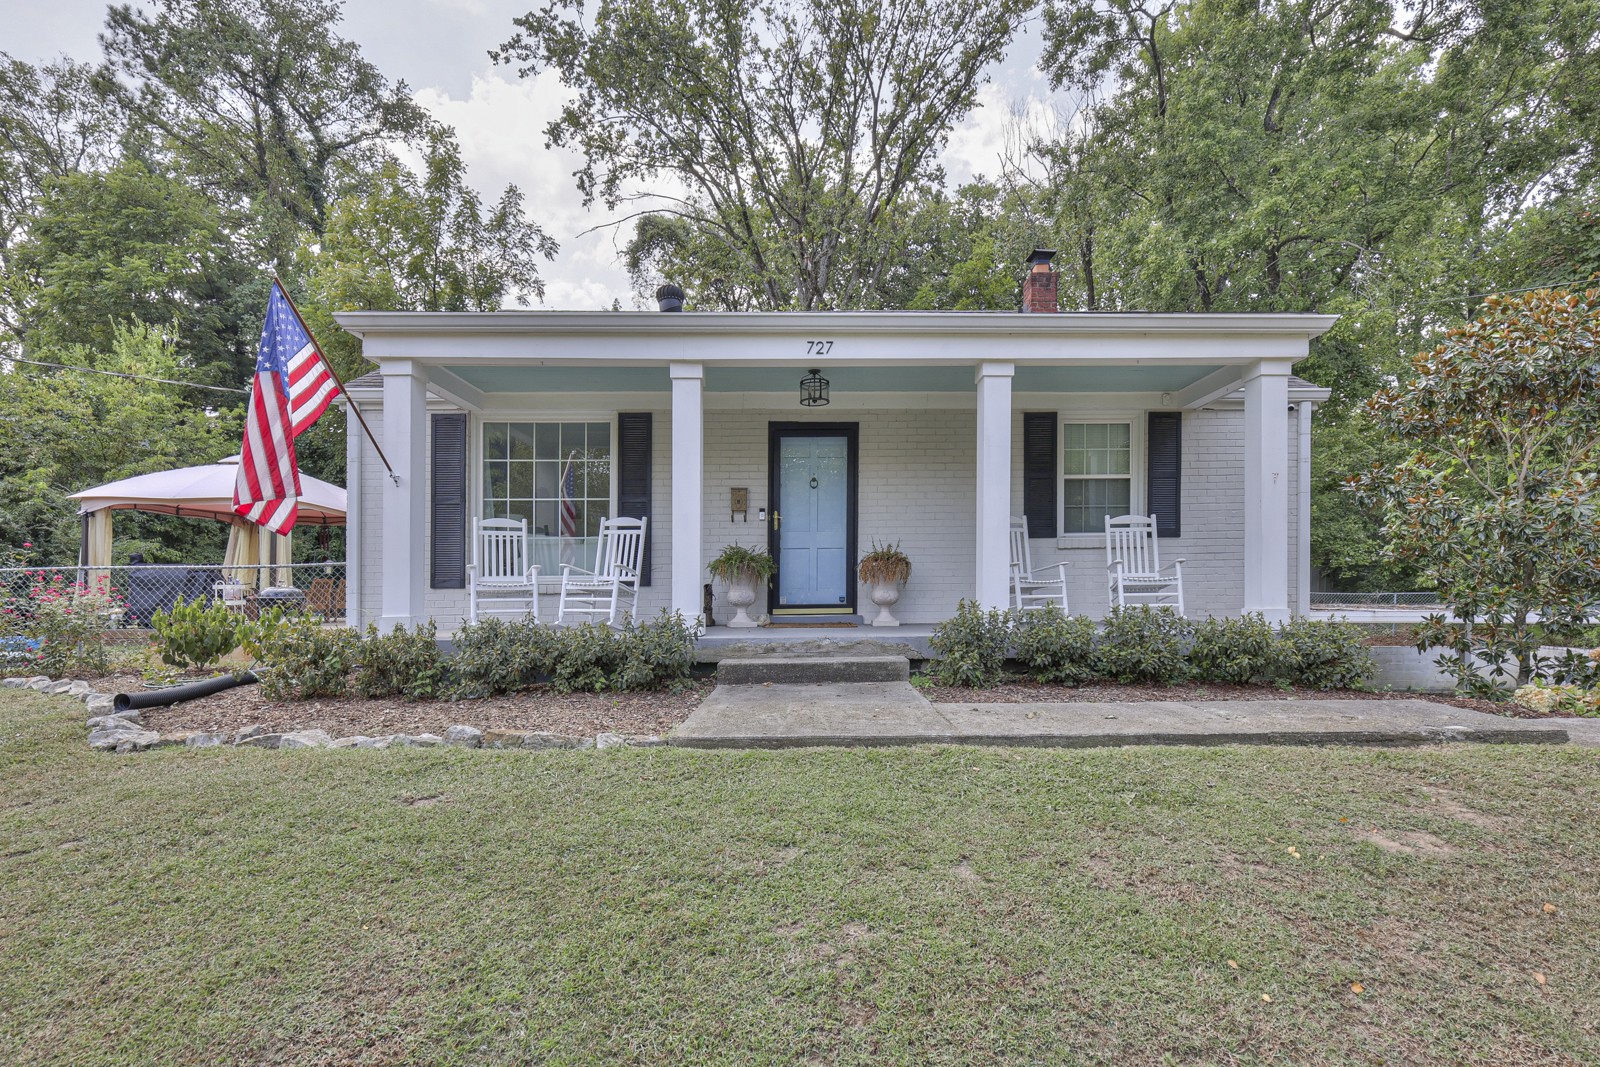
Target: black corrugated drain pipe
<point>162,698</point>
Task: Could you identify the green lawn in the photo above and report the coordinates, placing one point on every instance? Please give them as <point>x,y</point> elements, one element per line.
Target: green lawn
<point>916,906</point>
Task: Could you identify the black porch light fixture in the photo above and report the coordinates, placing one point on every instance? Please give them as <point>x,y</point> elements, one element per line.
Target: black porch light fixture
<point>813,390</point>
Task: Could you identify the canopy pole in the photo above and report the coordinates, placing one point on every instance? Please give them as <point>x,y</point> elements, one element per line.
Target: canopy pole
<point>337,380</point>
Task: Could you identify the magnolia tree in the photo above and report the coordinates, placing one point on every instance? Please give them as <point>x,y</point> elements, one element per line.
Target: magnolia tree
<point>1496,499</point>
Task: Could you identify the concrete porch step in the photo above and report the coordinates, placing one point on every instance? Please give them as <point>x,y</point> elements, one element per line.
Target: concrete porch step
<point>811,670</point>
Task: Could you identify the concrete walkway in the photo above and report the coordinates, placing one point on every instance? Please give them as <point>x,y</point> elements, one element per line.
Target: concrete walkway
<point>893,713</point>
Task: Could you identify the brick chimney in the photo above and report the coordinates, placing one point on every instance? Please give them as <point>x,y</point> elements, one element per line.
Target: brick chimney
<point>1039,286</point>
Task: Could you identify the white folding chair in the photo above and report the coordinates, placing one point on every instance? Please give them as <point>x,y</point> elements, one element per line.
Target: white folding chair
<point>499,579</point>
<point>1133,565</point>
<point>231,595</point>
<point>600,593</point>
<point>1034,589</point>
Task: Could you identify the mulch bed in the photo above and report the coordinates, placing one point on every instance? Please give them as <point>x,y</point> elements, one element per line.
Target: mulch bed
<point>582,714</point>
<point>1021,691</point>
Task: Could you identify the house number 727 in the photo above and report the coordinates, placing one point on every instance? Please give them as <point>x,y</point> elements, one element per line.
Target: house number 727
<point>818,348</point>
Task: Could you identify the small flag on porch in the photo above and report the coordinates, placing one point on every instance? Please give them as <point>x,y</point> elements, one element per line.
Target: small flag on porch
<point>293,386</point>
<point>569,511</point>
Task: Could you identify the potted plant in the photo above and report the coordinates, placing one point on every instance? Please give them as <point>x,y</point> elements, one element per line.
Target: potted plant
<point>742,568</point>
<point>885,569</point>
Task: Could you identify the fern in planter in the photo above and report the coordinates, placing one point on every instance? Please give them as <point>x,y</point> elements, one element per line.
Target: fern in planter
<point>884,565</point>
<point>739,564</point>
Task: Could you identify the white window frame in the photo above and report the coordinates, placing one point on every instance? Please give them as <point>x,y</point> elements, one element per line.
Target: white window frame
<point>1135,421</point>
<point>548,583</point>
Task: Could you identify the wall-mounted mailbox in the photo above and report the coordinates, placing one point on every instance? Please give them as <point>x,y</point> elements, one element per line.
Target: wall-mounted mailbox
<point>739,504</point>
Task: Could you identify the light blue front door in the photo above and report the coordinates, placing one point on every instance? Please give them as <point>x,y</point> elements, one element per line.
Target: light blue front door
<point>813,498</point>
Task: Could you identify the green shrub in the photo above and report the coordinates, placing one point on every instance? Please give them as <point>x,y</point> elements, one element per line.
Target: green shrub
<point>587,657</point>
<point>70,621</point>
<point>194,635</point>
<point>1324,655</point>
<point>1055,647</point>
<point>656,654</point>
<point>971,647</point>
<point>402,662</point>
<point>496,656</point>
<point>298,658</point>
<point>1144,644</point>
<point>1240,650</point>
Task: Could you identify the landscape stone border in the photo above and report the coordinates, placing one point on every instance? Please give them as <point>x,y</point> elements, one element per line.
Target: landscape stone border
<point>125,731</point>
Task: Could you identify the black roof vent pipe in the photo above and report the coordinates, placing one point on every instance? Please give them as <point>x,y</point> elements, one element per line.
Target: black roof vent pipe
<point>669,297</point>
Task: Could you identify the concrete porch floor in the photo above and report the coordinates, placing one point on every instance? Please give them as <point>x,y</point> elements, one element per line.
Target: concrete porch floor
<point>909,640</point>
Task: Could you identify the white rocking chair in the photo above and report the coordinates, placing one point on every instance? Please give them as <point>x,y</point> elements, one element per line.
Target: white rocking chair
<point>1034,589</point>
<point>599,594</point>
<point>1133,565</point>
<point>499,579</point>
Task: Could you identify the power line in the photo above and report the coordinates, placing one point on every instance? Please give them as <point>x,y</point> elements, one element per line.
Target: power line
<point>1477,296</point>
<point>120,374</point>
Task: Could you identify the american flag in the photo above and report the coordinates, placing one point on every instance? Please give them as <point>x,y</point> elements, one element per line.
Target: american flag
<point>293,386</point>
<point>569,511</point>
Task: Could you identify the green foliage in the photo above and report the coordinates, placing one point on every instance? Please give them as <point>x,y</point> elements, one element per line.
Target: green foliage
<point>497,656</point>
<point>801,133</point>
<point>970,648</point>
<point>1055,647</point>
<point>1242,650</point>
<point>1495,497</point>
<point>70,621</point>
<point>401,662</point>
<point>1314,654</point>
<point>737,563</point>
<point>587,657</point>
<point>298,658</point>
<point>656,655</point>
<point>884,565</point>
<point>193,635</point>
<point>1145,644</point>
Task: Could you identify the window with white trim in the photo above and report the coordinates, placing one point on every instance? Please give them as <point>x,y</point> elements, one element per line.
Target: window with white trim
<point>557,477</point>
<point>1097,473</point>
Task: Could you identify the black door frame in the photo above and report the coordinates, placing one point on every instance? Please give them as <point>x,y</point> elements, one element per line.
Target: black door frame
<point>851,432</point>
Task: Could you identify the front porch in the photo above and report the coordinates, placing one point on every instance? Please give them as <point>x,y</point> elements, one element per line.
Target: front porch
<point>677,419</point>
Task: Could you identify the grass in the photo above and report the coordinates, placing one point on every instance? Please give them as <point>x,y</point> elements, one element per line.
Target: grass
<point>912,906</point>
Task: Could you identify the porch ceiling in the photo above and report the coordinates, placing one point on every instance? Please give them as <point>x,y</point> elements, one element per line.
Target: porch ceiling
<point>845,380</point>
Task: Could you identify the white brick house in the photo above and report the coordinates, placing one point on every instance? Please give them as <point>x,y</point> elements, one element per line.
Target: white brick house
<point>939,427</point>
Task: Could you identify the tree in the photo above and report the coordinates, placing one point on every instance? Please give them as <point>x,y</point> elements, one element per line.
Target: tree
<point>260,103</point>
<point>1498,497</point>
<point>108,247</point>
<point>66,430</point>
<point>789,135</point>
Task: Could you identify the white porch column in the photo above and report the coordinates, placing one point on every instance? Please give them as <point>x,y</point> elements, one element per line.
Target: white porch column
<point>1266,488</point>
<point>994,484</point>
<point>688,472</point>
<point>405,505</point>
<point>1302,601</point>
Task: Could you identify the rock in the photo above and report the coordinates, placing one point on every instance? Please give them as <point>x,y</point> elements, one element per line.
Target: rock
<point>260,740</point>
<point>100,703</point>
<point>248,732</point>
<point>377,742</point>
<point>465,736</point>
<point>506,739</point>
<point>34,682</point>
<point>419,740</point>
<point>584,742</point>
<point>122,740</point>
<point>13,683</point>
<point>305,739</point>
<point>57,687</point>
<point>79,689</point>
<point>542,739</point>
<point>205,740</point>
<point>127,720</point>
<point>353,741</point>
<point>175,738</point>
<point>609,740</point>
<point>649,741</point>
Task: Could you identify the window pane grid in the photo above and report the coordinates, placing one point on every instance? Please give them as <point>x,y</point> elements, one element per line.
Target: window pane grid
<point>1097,466</point>
<point>524,468</point>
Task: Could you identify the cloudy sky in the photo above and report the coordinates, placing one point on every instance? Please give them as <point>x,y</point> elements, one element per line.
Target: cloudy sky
<point>439,48</point>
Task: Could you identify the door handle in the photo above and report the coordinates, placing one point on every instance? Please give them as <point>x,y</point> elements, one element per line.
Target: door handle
<point>777,521</point>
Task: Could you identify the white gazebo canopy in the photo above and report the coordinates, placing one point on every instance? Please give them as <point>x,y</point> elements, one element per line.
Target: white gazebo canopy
<point>204,492</point>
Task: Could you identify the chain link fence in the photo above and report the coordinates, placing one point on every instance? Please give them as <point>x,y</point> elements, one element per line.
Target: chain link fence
<point>1330,601</point>
<point>146,588</point>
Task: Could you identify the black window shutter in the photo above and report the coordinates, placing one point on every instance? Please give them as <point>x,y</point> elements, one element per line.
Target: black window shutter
<point>633,476</point>
<point>447,555</point>
<point>1039,472</point>
<point>1164,456</point>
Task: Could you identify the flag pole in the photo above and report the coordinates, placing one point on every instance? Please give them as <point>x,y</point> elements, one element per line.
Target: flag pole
<point>336,379</point>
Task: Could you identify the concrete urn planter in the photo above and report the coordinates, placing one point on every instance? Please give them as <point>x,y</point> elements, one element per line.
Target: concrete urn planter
<point>886,595</point>
<point>741,594</point>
